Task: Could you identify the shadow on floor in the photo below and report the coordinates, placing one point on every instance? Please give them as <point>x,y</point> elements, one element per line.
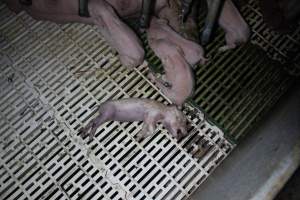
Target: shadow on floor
<point>291,189</point>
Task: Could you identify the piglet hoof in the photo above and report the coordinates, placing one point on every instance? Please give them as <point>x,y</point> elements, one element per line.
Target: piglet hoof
<point>167,84</point>
<point>82,132</point>
<point>226,48</point>
<point>203,61</point>
<point>151,76</point>
<point>140,137</point>
<point>89,130</point>
<point>179,137</point>
<point>223,48</point>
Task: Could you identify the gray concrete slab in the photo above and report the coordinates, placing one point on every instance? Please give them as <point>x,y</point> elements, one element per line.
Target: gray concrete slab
<point>263,162</point>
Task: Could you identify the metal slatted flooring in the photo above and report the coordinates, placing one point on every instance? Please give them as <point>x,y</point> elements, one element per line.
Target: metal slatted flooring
<point>52,78</point>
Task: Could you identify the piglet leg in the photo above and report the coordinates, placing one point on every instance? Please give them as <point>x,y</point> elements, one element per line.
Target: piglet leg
<point>164,86</point>
<point>148,129</point>
<point>143,132</point>
<point>117,33</point>
<point>104,116</point>
<point>192,52</point>
<point>162,79</point>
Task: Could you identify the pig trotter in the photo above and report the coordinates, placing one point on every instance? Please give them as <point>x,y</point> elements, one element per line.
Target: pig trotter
<point>143,132</point>
<point>89,130</point>
<point>227,47</point>
<point>148,128</point>
<point>167,84</point>
<point>104,115</point>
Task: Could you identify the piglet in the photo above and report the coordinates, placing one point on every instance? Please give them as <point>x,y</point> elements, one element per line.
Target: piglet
<point>136,109</point>
<point>117,33</point>
<point>236,29</point>
<point>120,37</point>
<point>171,12</point>
<point>191,51</point>
<point>178,81</point>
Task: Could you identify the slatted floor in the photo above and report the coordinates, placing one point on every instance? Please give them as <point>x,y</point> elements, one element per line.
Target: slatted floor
<point>52,77</point>
<point>238,87</point>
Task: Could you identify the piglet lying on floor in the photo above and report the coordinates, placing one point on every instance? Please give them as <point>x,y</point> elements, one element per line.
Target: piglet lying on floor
<point>102,14</point>
<point>178,81</point>
<point>236,29</point>
<point>134,109</point>
<point>176,54</point>
<point>191,51</point>
<point>107,15</point>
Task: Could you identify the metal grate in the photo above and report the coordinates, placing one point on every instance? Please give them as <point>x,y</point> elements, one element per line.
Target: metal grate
<point>52,77</point>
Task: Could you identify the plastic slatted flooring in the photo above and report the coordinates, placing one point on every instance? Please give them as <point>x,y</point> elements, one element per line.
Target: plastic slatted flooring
<point>52,78</point>
<point>237,88</point>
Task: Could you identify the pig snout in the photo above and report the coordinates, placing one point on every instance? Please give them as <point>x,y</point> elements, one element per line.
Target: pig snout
<point>175,122</point>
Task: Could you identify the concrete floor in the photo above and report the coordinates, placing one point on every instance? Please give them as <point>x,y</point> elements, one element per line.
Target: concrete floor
<point>260,166</point>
